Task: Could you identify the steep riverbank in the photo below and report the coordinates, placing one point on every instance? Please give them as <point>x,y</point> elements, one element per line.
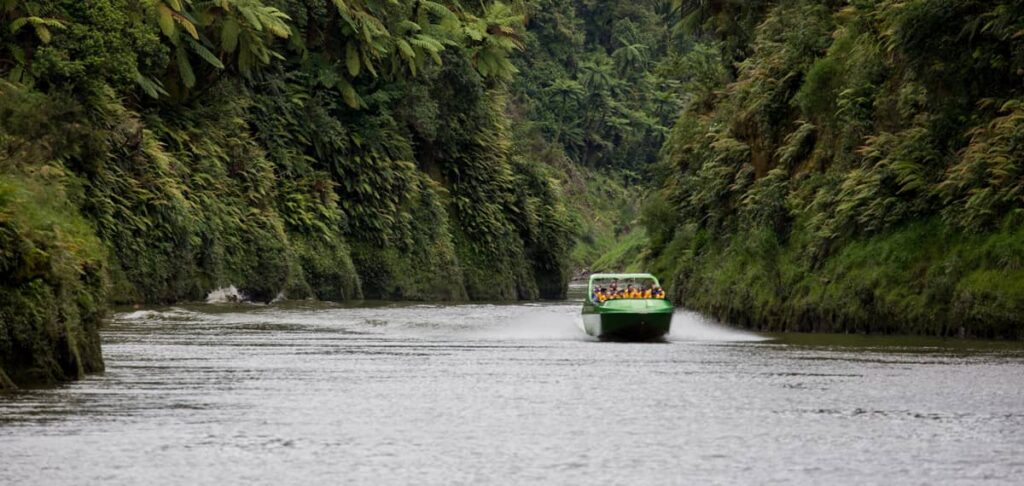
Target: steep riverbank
<point>153,153</point>
<point>903,282</point>
<point>136,208</point>
<point>848,167</point>
<point>309,149</point>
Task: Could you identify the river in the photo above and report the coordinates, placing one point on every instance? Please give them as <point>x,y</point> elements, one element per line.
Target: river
<point>464,394</point>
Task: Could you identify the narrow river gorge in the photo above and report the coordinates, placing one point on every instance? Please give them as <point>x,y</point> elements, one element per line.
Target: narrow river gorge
<point>430,394</point>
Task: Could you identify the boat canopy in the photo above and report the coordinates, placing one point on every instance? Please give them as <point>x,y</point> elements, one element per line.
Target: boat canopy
<point>621,276</point>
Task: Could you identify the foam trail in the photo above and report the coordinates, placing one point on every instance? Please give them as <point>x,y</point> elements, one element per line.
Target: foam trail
<point>137,315</point>
<point>693,326</point>
<point>539,323</point>
<point>164,315</point>
<point>225,295</point>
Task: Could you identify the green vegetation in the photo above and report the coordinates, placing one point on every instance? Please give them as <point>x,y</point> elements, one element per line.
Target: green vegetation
<point>591,101</point>
<point>53,295</point>
<point>155,150</point>
<point>850,166</point>
<point>626,256</point>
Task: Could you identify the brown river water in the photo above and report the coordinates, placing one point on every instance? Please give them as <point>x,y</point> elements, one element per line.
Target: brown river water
<point>401,393</point>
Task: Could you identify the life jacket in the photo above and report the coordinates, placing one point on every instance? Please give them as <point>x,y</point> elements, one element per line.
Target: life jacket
<point>647,294</point>
<point>660,294</point>
<point>601,297</point>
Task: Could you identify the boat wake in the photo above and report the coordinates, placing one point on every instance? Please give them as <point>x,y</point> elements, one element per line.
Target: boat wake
<point>486,322</point>
<point>534,323</point>
<point>693,326</point>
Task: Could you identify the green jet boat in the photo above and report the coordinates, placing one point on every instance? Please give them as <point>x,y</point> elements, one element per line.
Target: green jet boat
<point>642,319</point>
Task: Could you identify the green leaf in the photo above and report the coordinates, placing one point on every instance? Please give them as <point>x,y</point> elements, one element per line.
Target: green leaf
<point>43,33</point>
<point>150,86</point>
<point>18,23</point>
<point>185,68</point>
<point>251,18</point>
<point>405,49</point>
<point>349,94</point>
<point>229,35</point>
<point>352,59</point>
<point>186,24</point>
<point>205,54</point>
<point>165,19</point>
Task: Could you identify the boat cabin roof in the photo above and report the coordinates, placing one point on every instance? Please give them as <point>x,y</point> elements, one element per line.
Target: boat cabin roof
<point>622,276</point>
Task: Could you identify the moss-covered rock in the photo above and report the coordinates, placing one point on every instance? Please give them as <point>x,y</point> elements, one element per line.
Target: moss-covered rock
<point>53,284</point>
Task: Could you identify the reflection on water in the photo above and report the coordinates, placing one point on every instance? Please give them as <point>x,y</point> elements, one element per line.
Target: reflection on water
<point>416,393</point>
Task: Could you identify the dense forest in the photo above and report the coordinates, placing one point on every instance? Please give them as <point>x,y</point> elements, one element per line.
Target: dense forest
<point>847,166</point>
<point>156,150</point>
<point>832,165</point>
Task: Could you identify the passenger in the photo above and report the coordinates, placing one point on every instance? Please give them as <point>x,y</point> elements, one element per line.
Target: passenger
<point>648,292</point>
<point>602,295</point>
<point>659,293</point>
<point>614,287</point>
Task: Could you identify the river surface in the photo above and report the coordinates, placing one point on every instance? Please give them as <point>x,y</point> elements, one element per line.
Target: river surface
<point>496,394</point>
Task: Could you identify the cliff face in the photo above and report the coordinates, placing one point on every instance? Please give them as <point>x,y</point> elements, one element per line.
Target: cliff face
<point>151,155</point>
<point>849,166</point>
<point>52,289</point>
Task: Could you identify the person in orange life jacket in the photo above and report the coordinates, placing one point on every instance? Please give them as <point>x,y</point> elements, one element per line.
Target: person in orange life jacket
<point>659,293</point>
<point>648,292</point>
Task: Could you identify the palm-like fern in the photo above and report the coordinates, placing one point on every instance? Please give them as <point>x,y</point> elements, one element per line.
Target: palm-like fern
<point>493,36</point>
<point>987,182</point>
<point>21,17</point>
<point>238,29</point>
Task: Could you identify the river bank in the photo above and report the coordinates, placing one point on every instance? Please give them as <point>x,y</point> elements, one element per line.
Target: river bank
<point>146,158</point>
<point>903,282</point>
<point>841,168</point>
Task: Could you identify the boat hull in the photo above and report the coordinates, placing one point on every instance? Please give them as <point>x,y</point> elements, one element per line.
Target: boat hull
<point>628,320</point>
